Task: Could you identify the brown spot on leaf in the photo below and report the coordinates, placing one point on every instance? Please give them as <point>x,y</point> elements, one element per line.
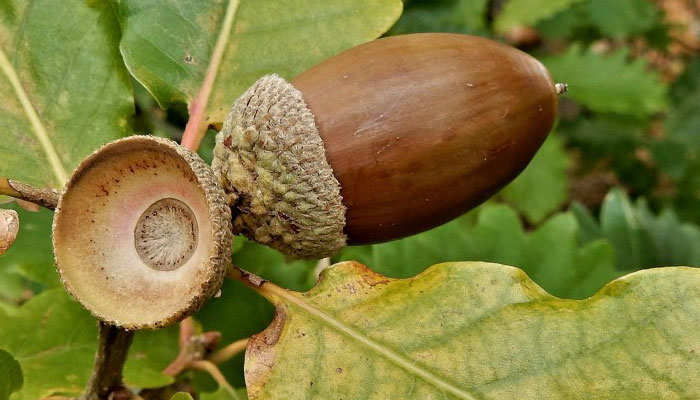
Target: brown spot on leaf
<point>372,278</point>
<point>261,354</point>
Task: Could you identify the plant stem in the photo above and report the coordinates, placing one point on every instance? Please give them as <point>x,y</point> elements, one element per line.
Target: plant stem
<point>112,348</point>
<point>196,128</point>
<point>251,280</point>
<point>44,197</point>
<point>213,370</point>
<point>229,351</point>
<point>192,347</point>
<point>187,330</point>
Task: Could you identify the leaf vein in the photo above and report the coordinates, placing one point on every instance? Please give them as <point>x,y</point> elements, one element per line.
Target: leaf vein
<point>379,348</point>
<point>31,113</point>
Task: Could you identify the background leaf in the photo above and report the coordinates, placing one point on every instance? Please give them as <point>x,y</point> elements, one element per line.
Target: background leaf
<point>31,256</point>
<point>167,44</point>
<point>149,354</point>
<point>542,187</point>
<point>623,18</point>
<point>552,254</point>
<point>11,379</point>
<point>678,154</point>
<point>478,331</point>
<point>48,330</point>
<point>458,16</point>
<point>640,238</point>
<point>54,340</point>
<point>608,83</point>
<point>222,394</point>
<point>529,12</point>
<point>62,59</point>
<point>181,396</point>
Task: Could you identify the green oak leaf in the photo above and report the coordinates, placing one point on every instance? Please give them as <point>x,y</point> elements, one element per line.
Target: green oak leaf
<point>458,16</point>
<point>181,396</point>
<point>167,44</point>
<point>688,197</point>
<point>682,123</point>
<point>7,307</point>
<point>571,22</point>
<point>552,255</point>
<point>623,18</point>
<point>679,154</point>
<point>13,287</point>
<point>224,394</point>
<point>11,291</point>
<point>150,353</point>
<point>542,187</point>
<point>620,224</point>
<point>55,339</point>
<point>478,331</point>
<point>65,89</point>
<point>640,238</point>
<point>608,147</point>
<point>11,379</point>
<point>609,83</point>
<point>529,12</point>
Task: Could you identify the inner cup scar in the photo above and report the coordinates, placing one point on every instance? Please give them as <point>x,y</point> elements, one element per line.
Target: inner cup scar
<point>166,235</point>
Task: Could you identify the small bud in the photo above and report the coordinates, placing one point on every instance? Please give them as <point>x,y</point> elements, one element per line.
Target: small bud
<point>9,226</point>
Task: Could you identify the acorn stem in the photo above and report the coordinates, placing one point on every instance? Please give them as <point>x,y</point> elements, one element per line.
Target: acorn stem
<point>112,348</point>
<point>252,281</point>
<point>192,347</point>
<point>230,351</point>
<point>44,197</point>
<point>196,127</point>
<point>213,370</point>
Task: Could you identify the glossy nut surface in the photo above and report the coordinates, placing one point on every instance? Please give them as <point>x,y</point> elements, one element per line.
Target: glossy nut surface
<point>421,128</point>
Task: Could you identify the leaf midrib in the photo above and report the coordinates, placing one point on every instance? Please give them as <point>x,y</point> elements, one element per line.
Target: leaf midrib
<point>37,126</point>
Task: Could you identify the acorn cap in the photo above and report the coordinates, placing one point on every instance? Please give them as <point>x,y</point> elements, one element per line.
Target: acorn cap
<point>272,163</point>
<point>142,233</point>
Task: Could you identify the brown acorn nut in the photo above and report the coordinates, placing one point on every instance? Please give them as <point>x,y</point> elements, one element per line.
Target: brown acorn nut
<point>142,233</point>
<point>416,130</point>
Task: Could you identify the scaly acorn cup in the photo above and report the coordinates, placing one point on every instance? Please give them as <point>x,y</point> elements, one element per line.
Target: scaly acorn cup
<point>382,141</point>
<point>142,233</point>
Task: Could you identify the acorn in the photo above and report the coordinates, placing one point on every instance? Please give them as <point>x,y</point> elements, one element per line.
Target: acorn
<point>142,233</point>
<point>382,141</point>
